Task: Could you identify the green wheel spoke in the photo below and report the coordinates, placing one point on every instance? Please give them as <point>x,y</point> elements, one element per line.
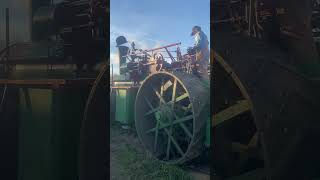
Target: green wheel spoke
<point>168,149</point>
<point>183,126</point>
<point>177,121</point>
<point>186,130</point>
<point>174,89</point>
<point>149,103</point>
<point>169,141</point>
<point>153,110</point>
<point>156,137</point>
<point>174,142</point>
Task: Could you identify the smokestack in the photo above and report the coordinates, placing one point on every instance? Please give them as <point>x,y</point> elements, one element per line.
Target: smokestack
<point>123,51</point>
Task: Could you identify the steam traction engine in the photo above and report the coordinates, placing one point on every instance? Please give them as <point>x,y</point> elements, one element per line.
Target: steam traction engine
<point>265,69</point>
<point>171,105</point>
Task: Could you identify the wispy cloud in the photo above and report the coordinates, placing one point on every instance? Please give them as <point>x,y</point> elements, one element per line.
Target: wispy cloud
<point>114,58</point>
<point>131,35</point>
<point>115,69</point>
<point>157,44</point>
<point>140,36</point>
<point>150,24</point>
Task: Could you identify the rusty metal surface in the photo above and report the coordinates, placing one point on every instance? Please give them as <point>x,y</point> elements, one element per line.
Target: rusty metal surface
<point>285,105</point>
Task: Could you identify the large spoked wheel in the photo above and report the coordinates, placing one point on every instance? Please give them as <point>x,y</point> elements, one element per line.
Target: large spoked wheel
<point>169,116</point>
<point>236,143</point>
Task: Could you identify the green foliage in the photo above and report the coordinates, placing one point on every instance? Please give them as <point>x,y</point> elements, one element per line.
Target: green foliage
<point>139,166</point>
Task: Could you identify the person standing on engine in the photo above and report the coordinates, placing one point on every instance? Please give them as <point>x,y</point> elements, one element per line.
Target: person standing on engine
<point>201,47</point>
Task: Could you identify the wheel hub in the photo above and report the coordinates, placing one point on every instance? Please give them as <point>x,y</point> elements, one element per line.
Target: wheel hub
<point>164,115</point>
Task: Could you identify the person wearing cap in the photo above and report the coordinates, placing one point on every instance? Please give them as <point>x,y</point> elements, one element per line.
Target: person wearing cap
<point>201,47</point>
<point>124,48</point>
<point>126,68</point>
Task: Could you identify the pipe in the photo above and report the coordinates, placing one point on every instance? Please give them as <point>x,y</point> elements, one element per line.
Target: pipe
<point>162,47</point>
<point>111,74</point>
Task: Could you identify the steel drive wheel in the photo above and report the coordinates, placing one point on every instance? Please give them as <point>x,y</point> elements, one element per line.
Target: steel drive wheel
<point>169,116</point>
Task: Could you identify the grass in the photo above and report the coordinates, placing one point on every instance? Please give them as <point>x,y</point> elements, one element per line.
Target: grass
<point>141,166</point>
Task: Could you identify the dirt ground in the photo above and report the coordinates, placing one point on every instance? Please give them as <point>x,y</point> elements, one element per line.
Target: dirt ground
<point>125,150</point>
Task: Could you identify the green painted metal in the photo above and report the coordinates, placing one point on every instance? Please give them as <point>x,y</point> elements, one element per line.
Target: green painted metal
<point>49,133</point>
<point>121,106</point>
<point>125,98</point>
<point>112,104</point>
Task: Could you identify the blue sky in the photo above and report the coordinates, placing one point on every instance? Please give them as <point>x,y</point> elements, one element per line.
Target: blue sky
<point>153,23</point>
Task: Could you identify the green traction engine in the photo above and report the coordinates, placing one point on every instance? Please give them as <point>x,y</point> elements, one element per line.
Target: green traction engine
<point>166,98</point>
